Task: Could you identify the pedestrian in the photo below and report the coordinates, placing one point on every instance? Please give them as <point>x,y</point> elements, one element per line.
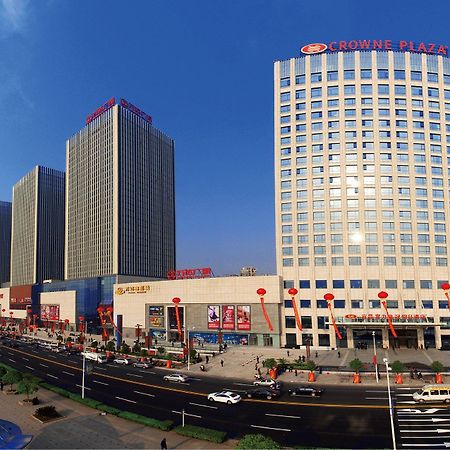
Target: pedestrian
<point>296,373</point>
<point>339,354</point>
<point>259,372</point>
<point>317,354</point>
<point>303,358</point>
<point>288,353</point>
<point>225,346</point>
<point>156,341</point>
<point>207,359</point>
<point>164,444</point>
<point>1,385</point>
<point>257,359</point>
<point>256,366</point>
<point>221,362</point>
<point>415,372</point>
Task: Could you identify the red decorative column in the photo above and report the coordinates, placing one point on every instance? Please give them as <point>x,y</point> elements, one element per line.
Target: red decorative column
<point>383,296</point>
<point>176,301</point>
<point>293,292</point>
<point>262,292</point>
<point>329,298</point>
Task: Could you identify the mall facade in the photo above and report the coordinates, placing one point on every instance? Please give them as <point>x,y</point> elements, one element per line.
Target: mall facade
<point>362,133</point>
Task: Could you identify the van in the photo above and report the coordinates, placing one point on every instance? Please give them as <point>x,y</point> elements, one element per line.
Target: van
<point>433,393</point>
<point>97,357</point>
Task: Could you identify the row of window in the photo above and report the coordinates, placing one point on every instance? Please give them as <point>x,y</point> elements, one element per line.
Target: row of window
<point>358,284</point>
<point>382,123</point>
<point>369,261</point>
<point>365,74</point>
<point>353,134</point>
<point>369,249</point>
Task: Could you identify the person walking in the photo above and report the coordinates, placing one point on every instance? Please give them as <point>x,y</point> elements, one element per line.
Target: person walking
<point>288,353</point>
<point>339,354</point>
<point>207,359</point>
<point>317,354</point>
<point>221,362</point>
<point>163,444</point>
<point>257,360</point>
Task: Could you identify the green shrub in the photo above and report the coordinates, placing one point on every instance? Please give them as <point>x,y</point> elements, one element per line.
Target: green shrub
<point>310,365</point>
<point>437,367</point>
<point>85,401</point>
<point>356,365</point>
<point>108,409</point>
<point>47,411</point>
<point>205,434</point>
<point>257,441</point>
<point>164,425</point>
<point>269,363</point>
<point>398,366</point>
<point>12,377</point>
<point>55,389</point>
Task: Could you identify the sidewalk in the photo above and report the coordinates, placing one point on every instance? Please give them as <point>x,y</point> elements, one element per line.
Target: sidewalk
<point>83,427</point>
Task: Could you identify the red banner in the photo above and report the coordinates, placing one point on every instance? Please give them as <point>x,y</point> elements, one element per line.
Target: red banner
<point>213,317</point>
<point>228,317</point>
<point>243,317</point>
<point>389,318</point>
<point>20,297</point>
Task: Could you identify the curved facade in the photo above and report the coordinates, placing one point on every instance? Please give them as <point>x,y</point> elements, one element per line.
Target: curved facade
<point>362,195</point>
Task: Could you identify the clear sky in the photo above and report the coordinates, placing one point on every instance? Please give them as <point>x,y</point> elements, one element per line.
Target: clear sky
<point>204,70</point>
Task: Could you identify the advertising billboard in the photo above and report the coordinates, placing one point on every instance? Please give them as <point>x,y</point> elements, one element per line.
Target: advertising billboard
<point>156,322</point>
<point>243,317</point>
<point>228,317</point>
<point>20,297</point>
<point>213,317</point>
<point>50,312</point>
<point>156,311</point>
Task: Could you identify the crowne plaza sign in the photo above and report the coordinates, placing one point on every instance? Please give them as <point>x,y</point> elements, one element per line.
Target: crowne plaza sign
<point>376,44</point>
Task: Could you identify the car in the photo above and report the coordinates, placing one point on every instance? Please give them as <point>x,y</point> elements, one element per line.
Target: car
<point>263,393</point>
<point>177,377</point>
<point>306,391</point>
<point>268,382</point>
<point>141,365</point>
<point>122,361</point>
<point>59,349</point>
<point>13,343</point>
<point>224,397</point>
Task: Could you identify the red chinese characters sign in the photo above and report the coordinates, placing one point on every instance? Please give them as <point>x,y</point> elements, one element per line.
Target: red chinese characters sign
<point>110,103</point>
<point>394,317</point>
<point>135,110</point>
<point>204,272</point>
<point>376,44</point>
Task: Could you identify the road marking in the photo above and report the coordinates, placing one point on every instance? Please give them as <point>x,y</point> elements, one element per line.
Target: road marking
<point>419,411</point>
<point>26,359</point>
<point>446,444</point>
<point>100,382</point>
<point>378,392</point>
<point>100,368</point>
<point>13,360</point>
<point>376,398</point>
<point>51,356</point>
<point>153,373</point>
<point>408,402</point>
<point>28,367</point>
<point>134,375</point>
<point>186,414</point>
<point>144,393</point>
<point>242,384</point>
<point>282,415</point>
<point>72,361</point>
<point>43,365</point>
<point>203,406</point>
<point>53,376</point>
<point>79,385</point>
<point>68,373</point>
<point>407,388</point>
<point>438,430</point>
<point>125,399</point>
<point>9,353</point>
<point>432,419</point>
<point>403,395</point>
<point>270,428</point>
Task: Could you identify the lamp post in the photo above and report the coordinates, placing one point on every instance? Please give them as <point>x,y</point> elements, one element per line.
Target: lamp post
<point>394,446</point>
<point>188,348</point>
<point>84,357</point>
<point>375,357</point>
<point>138,332</point>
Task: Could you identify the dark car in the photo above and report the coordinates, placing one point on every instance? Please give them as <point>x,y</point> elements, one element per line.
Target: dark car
<point>306,391</point>
<point>13,343</point>
<point>268,393</point>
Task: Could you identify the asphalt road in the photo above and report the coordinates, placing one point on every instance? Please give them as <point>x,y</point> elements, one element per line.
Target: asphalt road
<point>344,417</point>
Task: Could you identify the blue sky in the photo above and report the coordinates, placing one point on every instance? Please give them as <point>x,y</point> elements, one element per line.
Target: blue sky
<point>203,69</point>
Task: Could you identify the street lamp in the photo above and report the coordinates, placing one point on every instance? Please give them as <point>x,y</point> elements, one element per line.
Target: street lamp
<point>394,446</point>
<point>375,357</point>
<point>138,332</point>
<point>84,357</point>
<point>188,348</point>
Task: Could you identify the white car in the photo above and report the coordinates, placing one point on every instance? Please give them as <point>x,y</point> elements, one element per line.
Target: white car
<point>178,377</point>
<point>123,361</point>
<point>224,397</point>
<point>267,383</point>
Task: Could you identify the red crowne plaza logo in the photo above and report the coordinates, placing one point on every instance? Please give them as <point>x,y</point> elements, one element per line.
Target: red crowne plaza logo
<point>310,49</point>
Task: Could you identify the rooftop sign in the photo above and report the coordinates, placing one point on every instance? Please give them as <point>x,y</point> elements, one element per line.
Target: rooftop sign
<point>204,272</point>
<point>135,110</point>
<point>110,103</point>
<point>376,44</point>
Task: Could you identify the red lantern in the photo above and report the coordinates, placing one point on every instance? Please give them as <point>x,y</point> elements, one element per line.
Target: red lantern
<point>293,292</point>
<point>445,286</point>
<point>109,309</point>
<point>261,292</point>
<point>382,295</point>
<point>328,297</point>
<point>176,302</point>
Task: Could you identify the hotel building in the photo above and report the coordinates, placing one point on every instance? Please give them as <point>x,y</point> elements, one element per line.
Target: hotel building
<point>5,241</point>
<point>362,192</point>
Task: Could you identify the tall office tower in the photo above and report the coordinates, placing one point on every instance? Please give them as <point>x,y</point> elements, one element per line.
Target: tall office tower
<point>120,213</point>
<point>37,239</point>
<point>362,132</point>
<point>5,241</point>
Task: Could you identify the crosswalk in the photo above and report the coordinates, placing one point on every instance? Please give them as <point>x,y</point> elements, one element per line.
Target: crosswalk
<point>420,426</point>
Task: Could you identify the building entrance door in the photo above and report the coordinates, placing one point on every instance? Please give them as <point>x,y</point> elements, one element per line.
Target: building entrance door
<point>291,340</point>
<point>363,339</point>
<point>405,339</point>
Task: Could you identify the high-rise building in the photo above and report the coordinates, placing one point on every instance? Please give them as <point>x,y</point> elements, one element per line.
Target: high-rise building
<point>5,241</point>
<point>37,239</point>
<point>362,132</point>
<point>120,211</point>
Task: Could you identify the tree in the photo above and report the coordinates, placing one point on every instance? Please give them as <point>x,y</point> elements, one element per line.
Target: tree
<point>125,348</point>
<point>398,367</point>
<point>11,377</point>
<point>356,365</point>
<point>27,385</point>
<point>161,351</point>
<point>269,363</point>
<point>69,339</point>
<point>310,365</point>
<point>144,352</point>
<point>257,441</point>
<point>437,366</point>
<point>94,344</point>
<point>2,371</point>
<point>110,346</point>
<point>137,348</point>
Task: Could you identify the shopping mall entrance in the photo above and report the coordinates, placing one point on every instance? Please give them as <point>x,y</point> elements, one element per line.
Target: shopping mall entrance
<point>363,339</point>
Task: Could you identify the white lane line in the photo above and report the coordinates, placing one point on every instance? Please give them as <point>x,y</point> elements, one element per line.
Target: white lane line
<point>79,385</point>
<point>100,382</point>
<point>438,430</point>
<point>144,393</point>
<point>53,376</point>
<point>125,399</point>
<point>270,428</point>
<point>376,398</point>
<point>407,388</point>
<point>186,414</point>
<point>134,375</point>
<point>243,384</point>
<point>28,367</point>
<point>100,368</point>
<point>427,445</point>
<point>404,395</point>
<point>72,361</point>
<point>43,365</point>
<point>378,392</point>
<point>68,373</point>
<point>10,359</point>
<point>408,402</point>
<point>26,359</point>
<point>282,415</point>
<point>203,406</point>
<point>51,356</point>
<point>9,353</point>
<point>153,373</point>
<point>430,419</point>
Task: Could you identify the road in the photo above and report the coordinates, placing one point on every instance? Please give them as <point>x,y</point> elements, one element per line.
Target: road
<point>345,417</point>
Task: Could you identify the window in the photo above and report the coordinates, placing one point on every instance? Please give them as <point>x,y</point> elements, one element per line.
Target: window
<point>349,75</point>
<point>306,321</point>
<point>390,284</point>
<point>416,76</point>
<point>356,284</point>
<point>284,82</point>
<point>339,304</point>
<point>316,92</point>
<point>289,322</point>
<point>409,304</point>
<point>322,304</point>
<point>399,74</point>
<point>300,79</point>
<point>408,284</point>
<point>305,303</point>
<point>321,284</point>
<point>383,74</point>
<point>338,284</point>
<point>373,304</point>
<point>357,304</point>
<point>305,284</point>
<point>332,76</point>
